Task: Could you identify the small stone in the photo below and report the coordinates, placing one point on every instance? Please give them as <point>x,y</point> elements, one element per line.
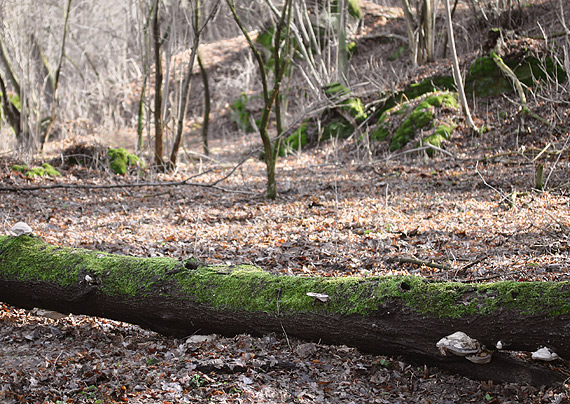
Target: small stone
<point>20,228</point>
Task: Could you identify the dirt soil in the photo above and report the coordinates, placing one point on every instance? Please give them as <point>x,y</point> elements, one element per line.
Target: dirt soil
<point>471,214</point>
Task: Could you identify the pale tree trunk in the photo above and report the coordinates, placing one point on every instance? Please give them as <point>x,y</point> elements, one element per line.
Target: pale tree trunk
<point>420,30</point>
<point>456,71</point>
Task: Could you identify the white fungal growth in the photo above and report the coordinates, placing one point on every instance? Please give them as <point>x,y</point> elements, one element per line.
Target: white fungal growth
<point>20,228</point>
<point>544,354</point>
<point>319,296</point>
<point>459,344</point>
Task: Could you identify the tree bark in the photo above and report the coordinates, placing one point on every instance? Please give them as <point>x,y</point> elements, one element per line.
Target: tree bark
<point>158,128</point>
<point>401,316</point>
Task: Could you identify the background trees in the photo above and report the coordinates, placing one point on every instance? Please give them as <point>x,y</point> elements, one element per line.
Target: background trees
<point>87,68</point>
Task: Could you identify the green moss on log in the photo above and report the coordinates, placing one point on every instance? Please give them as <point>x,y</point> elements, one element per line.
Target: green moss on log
<point>26,258</point>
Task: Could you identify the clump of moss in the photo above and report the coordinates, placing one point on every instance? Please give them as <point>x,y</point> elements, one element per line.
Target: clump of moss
<point>38,171</point>
<point>120,159</point>
<point>441,133</point>
<point>405,120</point>
<point>485,79</point>
<point>351,105</point>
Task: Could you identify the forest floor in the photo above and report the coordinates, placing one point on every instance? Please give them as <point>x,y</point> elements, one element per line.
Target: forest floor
<point>469,215</point>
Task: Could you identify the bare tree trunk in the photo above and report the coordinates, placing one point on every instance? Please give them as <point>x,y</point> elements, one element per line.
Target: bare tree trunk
<point>456,71</point>
<point>198,28</point>
<point>271,150</point>
<point>158,128</point>
<point>186,89</point>
<point>420,30</point>
<point>207,106</point>
<point>8,69</point>
<point>11,112</point>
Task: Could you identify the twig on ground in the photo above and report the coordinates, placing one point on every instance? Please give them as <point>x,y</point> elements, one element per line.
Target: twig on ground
<point>135,185</point>
<point>471,264</point>
<point>431,264</point>
<point>418,149</point>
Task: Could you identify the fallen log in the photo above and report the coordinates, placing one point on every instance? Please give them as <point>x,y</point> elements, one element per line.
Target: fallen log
<point>396,315</point>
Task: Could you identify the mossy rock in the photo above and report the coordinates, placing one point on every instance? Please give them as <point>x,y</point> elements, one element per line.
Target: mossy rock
<point>120,159</point>
<point>340,129</point>
<point>354,9</point>
<point>45,170</point>
<point>400,124</point>
<point>485,79</point>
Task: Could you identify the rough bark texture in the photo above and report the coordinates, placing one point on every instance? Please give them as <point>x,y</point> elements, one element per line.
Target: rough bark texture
<point>402,316</point>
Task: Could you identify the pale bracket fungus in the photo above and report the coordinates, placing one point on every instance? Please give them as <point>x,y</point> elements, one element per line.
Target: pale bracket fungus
<point>319,296</point>
<point>545,354</point>
<point>20,228</point>
<point>461,344</point>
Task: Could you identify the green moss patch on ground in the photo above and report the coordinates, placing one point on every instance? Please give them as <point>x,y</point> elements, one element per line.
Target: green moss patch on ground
<point>45,170</point>
<point>120,160</point>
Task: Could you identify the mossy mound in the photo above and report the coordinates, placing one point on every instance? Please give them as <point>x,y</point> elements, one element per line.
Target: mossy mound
<point>485,79</point>
<point>338,121</point>
<point>400,124</point>
<point>45,170</point>
<point>120,160</point>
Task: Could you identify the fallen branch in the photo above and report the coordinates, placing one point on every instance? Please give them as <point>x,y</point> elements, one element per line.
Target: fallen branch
<point>183,182</point>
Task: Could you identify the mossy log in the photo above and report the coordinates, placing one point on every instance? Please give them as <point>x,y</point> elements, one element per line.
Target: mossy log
<point>397,315</point>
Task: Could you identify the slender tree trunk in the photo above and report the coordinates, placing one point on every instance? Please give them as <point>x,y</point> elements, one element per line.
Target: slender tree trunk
<point>207,106</point>
<point>8,69</point>
<point>456,71</point>
<point>158,128</point>
<point>186,89</point>
<point>140,116</point>
<point>342,54</point>
<point>269,96</point>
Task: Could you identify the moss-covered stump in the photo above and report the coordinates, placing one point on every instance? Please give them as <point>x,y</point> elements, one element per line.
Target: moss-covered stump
<point>402,315</point>
<point>431,114</point>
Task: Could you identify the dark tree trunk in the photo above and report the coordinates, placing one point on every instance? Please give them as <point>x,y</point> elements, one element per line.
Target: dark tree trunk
<point>158,128</point>
<point>400,316</point>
